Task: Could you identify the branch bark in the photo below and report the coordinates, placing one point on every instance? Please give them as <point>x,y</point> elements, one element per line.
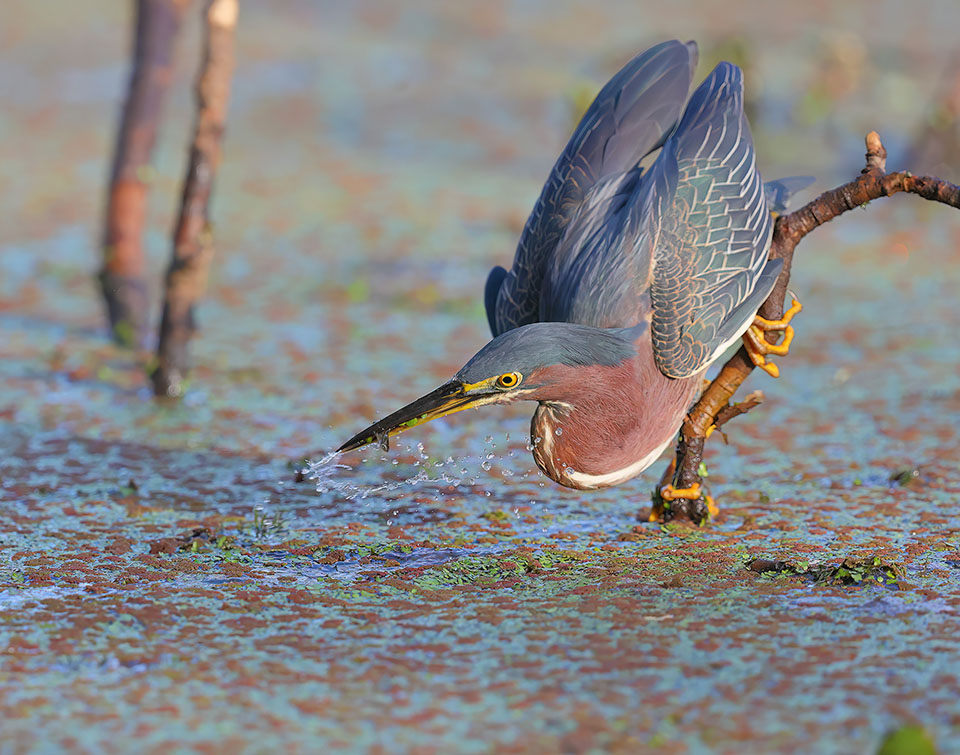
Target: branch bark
<point>192,240</point>
<point>789,230</point>
<point>121,276</point>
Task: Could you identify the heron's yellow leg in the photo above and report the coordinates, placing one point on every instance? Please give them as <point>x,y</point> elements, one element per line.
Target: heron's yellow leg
<point>757,346</point>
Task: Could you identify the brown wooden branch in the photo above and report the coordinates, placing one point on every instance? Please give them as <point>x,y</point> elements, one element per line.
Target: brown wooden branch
<point>730,411</point>
<point>121,276</point>
<point>192,239</point>
<point>789,230</point>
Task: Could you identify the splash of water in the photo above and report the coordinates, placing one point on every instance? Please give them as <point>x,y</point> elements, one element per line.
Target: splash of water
<point>323,470</point>
<point>323,473</point>
<point>326,475</point>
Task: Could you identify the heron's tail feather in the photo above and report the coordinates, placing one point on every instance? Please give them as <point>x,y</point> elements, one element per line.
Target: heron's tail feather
<point>781,191</point>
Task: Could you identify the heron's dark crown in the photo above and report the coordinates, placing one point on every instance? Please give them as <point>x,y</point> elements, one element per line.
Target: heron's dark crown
<point>542,344</point>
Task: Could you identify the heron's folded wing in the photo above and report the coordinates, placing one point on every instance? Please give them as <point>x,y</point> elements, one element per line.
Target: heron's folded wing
<point>710,225</point>
<point>633,114</point>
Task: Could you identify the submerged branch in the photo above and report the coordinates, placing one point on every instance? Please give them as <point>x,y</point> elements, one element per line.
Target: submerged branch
<point>713,406</point>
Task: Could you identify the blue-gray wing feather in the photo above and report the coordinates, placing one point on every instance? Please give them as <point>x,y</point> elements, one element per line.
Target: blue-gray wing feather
<point>632,116</point>
<point>684,245</point>
<point>711,228</point>
<point>599,275</point>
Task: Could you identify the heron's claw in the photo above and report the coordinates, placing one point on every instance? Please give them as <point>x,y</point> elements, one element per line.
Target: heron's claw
<point>757,346</point>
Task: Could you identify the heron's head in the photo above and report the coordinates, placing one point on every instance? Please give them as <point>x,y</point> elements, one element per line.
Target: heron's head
<point>538,362</point>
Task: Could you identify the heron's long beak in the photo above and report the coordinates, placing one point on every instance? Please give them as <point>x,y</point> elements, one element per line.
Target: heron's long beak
<point>448,398</point>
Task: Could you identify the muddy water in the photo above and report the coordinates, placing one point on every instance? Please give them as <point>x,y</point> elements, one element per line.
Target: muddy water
<point>164,579</point>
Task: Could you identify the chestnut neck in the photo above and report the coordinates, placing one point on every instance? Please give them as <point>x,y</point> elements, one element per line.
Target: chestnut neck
<point>601,425</point>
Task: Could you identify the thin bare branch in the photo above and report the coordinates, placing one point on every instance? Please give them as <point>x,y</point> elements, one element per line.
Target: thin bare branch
<point>730,411</point>
<point>192,240</point>
<point>121,276</point>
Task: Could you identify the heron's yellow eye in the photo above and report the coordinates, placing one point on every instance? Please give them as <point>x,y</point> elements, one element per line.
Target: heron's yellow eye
<point>509,380</point>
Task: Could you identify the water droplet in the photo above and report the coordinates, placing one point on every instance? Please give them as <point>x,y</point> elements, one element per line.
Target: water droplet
<point>389,522</point>
<point>559,431</point>
<point>488,439</point>
<point>487,466</point>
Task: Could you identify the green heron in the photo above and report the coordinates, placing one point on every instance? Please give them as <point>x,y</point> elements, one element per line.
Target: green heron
<point>627,283</point>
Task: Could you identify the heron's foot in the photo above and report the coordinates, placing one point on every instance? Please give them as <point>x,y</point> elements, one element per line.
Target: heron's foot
<point>670,493</point>
<point>690,501</point>
<point>757,346</point>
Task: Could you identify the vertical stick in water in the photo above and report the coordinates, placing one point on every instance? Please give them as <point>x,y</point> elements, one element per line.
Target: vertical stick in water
<point>121,276</point>
<point>192,241</point>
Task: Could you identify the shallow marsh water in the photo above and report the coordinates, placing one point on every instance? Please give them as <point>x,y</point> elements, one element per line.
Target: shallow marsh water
<point>163,579</point>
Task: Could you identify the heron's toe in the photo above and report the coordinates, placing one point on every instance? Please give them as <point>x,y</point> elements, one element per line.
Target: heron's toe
<point>670,493</point>
<point>757,345</point>
<point>694,503</point>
